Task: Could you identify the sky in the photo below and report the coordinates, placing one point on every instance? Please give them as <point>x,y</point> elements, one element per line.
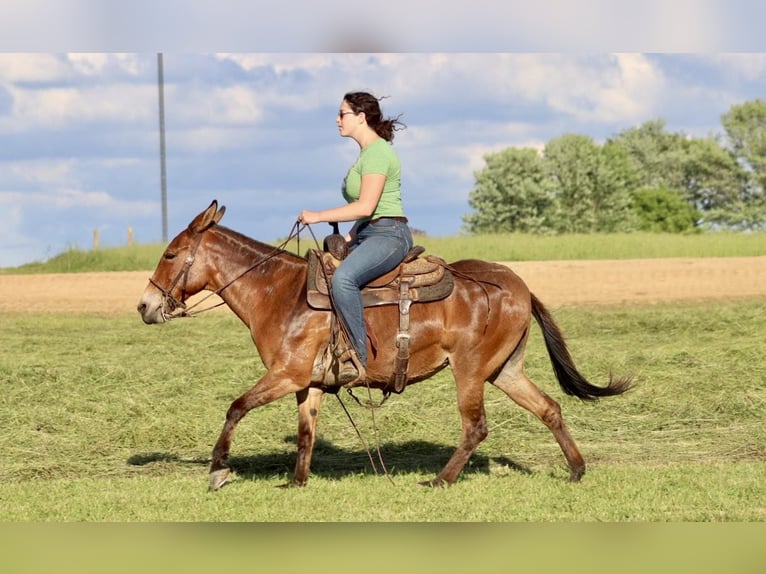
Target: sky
<point>254,128</point>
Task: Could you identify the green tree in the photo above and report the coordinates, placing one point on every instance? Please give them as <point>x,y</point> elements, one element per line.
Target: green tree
<point>591,185</point>
<point>663,210</point>
<point>705,174</point>
<point>616,178</point>
<point>745,126</point>
<point>714,184</point>
<point>509,194</point>
<point>654,154</point>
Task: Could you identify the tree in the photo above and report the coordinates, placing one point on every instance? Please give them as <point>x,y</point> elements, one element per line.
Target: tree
<point>613,204</point>
<point>509,194</point>
<point>714,184</point>
<point>591,185</point>
<point>745,126</point>
<point>705,174</point>
<point>635,180</point>
<point>663,210</point>
<point>654,154</point>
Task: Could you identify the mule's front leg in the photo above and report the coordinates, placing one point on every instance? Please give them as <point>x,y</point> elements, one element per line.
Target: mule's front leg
<point>219,471</point>
<point>270,388</point>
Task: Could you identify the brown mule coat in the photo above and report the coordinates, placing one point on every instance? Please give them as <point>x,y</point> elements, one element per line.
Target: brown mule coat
<point>479,331</point>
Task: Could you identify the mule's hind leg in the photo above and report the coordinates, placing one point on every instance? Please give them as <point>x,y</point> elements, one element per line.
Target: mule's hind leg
<point>470,398</point>
<point>514,382</point>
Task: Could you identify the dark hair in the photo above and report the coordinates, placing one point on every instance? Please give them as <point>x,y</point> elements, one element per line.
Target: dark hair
<point>370,105</point>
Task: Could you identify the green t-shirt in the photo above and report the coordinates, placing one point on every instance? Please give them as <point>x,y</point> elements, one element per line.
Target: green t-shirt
<point>378,157</point>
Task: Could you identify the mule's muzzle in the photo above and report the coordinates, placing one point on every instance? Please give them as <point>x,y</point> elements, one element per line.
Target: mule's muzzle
<point>151,311</point>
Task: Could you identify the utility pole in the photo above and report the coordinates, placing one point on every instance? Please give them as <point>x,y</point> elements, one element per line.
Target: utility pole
<point>163,174</point>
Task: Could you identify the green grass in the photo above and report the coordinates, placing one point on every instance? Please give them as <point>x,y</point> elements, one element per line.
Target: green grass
<point>131,258</point>
<point>500,247</point>
<point>106,419</point>
<point>521,247</point>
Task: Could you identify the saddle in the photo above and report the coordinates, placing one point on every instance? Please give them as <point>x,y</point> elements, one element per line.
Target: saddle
<point>416,279</point>
<point>423,279</point>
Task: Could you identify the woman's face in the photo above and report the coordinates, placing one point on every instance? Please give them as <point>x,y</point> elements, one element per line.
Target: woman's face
<point>345,119</point>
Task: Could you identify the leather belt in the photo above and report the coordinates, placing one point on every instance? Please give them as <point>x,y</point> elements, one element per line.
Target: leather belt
<point>394,217</point>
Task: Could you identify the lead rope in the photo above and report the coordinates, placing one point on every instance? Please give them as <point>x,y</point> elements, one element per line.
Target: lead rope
<point>370,405</point>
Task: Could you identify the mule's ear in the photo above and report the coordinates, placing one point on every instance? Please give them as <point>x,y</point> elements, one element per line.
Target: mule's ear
<point>217,217</point>
<point>206,218</point>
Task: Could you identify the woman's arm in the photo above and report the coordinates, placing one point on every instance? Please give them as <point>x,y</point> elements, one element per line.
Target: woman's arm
<point>369,196</point>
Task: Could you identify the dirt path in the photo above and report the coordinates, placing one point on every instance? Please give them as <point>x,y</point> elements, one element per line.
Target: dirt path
<point>556,283</point>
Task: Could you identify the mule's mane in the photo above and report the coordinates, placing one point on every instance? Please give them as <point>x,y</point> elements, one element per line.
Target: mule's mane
<point>252,246</point>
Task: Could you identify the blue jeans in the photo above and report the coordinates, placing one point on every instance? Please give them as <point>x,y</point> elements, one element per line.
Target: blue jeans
<point>379,247</point>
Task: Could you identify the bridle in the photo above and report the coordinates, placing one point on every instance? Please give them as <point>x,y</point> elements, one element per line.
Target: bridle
<point>169,303</point>
<point>173,308</point>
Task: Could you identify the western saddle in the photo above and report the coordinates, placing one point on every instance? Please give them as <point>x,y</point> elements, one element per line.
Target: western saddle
<point>416,280</point>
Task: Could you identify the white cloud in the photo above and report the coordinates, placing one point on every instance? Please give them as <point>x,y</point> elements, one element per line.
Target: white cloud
<point>71,198</point>
<point>598,88</point>
<point>92,64</point>
<point>61,107</point>
<point>31,68</point>
<point>229,105</point>
<point>280,63</point>
<point>747,67</point>
<point>36,172</point>
<point>208,139</point>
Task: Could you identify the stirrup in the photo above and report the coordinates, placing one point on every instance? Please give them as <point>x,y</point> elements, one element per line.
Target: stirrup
<point>347,373</point>
<point>349,367</point>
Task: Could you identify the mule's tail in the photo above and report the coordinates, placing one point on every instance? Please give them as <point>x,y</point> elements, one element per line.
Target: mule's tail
<point>571,381</point>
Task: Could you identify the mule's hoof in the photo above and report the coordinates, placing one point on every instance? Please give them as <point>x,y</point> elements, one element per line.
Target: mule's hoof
<point>292,484</point>
<point>218,478</point>
<point>576,475</point>
<point>434,483</point>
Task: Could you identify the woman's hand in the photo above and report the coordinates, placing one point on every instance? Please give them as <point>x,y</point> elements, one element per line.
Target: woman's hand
<point>308,217</point>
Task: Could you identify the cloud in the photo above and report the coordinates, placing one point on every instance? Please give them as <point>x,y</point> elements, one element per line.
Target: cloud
<point>31,68</point>
<point>89,64</point>
<point>79,138</point>
<point>735,67</point>
<point>212,105</point>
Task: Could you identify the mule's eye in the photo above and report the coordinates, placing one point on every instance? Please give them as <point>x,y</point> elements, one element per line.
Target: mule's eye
<point>169,256</point>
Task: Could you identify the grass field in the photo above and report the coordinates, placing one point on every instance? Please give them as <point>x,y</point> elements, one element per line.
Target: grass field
<point>105,419</point>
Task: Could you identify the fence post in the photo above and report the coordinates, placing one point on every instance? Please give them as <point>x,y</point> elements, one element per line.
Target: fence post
<point>95,239</point>
<point>130,236</point>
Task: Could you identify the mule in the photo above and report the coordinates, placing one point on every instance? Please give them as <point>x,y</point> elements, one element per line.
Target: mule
<point>479,331</point>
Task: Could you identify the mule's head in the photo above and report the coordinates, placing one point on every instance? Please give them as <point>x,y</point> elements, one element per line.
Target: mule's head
<point>181,272</point>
